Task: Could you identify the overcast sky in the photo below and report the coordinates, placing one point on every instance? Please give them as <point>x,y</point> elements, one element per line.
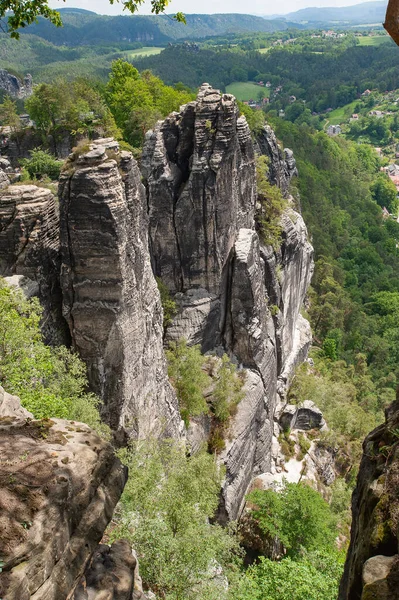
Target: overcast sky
<point>260,7</point>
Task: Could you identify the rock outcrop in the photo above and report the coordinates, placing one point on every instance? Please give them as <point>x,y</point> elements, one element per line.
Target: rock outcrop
<point>110,297</point>
<point>200,171</point>
<point>14,86</point>
<point>59,485</point>
<point>29,249</point>
<point>234,294</point>
<point>113,574</point>
<point>372,564</point>
<point>281,162</point>
<point>304,416</point>
<point>5,171</point>
<point>11,405</point>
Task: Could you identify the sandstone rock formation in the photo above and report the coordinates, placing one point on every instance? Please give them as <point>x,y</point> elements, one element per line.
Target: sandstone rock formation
<point>113,574</point>
<point>5,168</point>
<point>111,300</point>
<point>59,484</point>
<point>11,405</point>
<point>200,172</point>
<point>234,294</point>
<point>281,163</point>
<point>29,247</point>
<point>14,86</point>
<point>304,416</point>
<point>372,565</point>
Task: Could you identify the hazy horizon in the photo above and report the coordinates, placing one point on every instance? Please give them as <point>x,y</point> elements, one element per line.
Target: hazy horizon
<point>258,7</point>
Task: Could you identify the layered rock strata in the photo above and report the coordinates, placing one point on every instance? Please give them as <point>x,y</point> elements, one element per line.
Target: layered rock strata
<point>29,249</point>
<point>234,294</point>
<point>200,171</point>
<point>110,297</point>
<point>372,564</point>
<point>59,485</point>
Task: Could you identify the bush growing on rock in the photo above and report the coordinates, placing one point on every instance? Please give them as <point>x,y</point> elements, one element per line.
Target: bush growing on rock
<point>165,512</point>
<point>271,205</point>
<point>297,516</point>
<point>42,164</point>
<point>188,378</point>
<point>205,384</point>
<point>315,576</point>
<point>51,382</point>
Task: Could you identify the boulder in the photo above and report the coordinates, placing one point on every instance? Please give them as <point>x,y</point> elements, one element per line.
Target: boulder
<point>303,416</point>
<point>113,574</point>
<point>10,406</point>
<point>60,483</point>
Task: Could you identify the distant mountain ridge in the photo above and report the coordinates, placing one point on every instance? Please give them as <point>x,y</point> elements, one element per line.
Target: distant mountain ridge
<point>81,27</point>
<point>366,12</point>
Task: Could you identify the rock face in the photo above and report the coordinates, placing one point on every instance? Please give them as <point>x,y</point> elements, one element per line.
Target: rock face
<point>5,168</point>
<point>199,169</point>
<point>233,293</point>
<point>111,300</point>
<point>59,485</point>
<point>29,248</point>
<point>304,416</point>
<point>11,405</point>
<point>14,86</point>
<point>372,565</point>
<point>113,574</point>
<point>281,163</point>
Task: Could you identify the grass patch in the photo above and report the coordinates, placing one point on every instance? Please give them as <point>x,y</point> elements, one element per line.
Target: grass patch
<point>146,51</point>
<point>246,90</point>
<point>373,40</point>
<point>342,114</point>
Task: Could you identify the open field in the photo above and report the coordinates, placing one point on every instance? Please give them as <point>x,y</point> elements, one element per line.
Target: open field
<point>374,40</point>
<point>264,50</point>
<point>342,114</point>
<point>146,51</point>
<point>246,90</point>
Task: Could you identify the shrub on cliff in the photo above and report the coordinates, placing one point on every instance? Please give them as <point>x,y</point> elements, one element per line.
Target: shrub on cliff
<point>315,576</point>
<point>271,205</point>
<point>205,384</point>
<point>297,516</point>
<point>168,304</point>
<point>188,378</point>
<point>165,511</point>
<point>42,164</point>
<point>51,382</point>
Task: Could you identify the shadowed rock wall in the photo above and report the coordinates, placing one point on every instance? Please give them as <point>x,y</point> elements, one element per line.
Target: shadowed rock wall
<point>372,564</point>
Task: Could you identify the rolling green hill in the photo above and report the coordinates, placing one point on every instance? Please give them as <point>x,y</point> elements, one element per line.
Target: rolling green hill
<point>87,28</point>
